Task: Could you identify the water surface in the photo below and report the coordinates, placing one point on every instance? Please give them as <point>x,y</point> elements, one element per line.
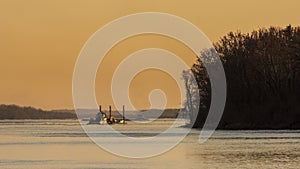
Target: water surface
<point>63,144</point>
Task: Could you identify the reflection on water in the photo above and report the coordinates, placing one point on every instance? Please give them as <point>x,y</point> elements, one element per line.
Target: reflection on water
<point>63,144</point>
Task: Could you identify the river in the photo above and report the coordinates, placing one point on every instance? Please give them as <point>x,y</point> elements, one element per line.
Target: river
<point>63,144</point>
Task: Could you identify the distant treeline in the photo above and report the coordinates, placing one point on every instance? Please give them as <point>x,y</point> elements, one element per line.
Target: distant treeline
<point>263,79</point>
<point>17,112</point>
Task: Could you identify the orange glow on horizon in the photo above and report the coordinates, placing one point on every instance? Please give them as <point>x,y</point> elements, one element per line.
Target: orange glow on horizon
<point>40,41</point>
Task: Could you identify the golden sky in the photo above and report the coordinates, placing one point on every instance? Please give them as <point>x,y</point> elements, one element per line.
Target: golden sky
<point>40,41</point>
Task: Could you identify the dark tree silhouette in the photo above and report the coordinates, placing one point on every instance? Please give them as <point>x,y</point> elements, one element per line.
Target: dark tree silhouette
<point>263,79</point>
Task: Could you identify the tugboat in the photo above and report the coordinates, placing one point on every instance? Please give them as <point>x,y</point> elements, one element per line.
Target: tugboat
<point>101,118</point>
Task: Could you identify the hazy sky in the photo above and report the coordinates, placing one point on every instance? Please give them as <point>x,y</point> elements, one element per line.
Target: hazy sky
<point>41,39</point>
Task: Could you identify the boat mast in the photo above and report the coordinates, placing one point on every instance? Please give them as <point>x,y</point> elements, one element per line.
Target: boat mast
<point>109,112</point>
<point>123,114</point>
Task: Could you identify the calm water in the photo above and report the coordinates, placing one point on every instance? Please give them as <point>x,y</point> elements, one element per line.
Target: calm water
<point>63,144</point>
